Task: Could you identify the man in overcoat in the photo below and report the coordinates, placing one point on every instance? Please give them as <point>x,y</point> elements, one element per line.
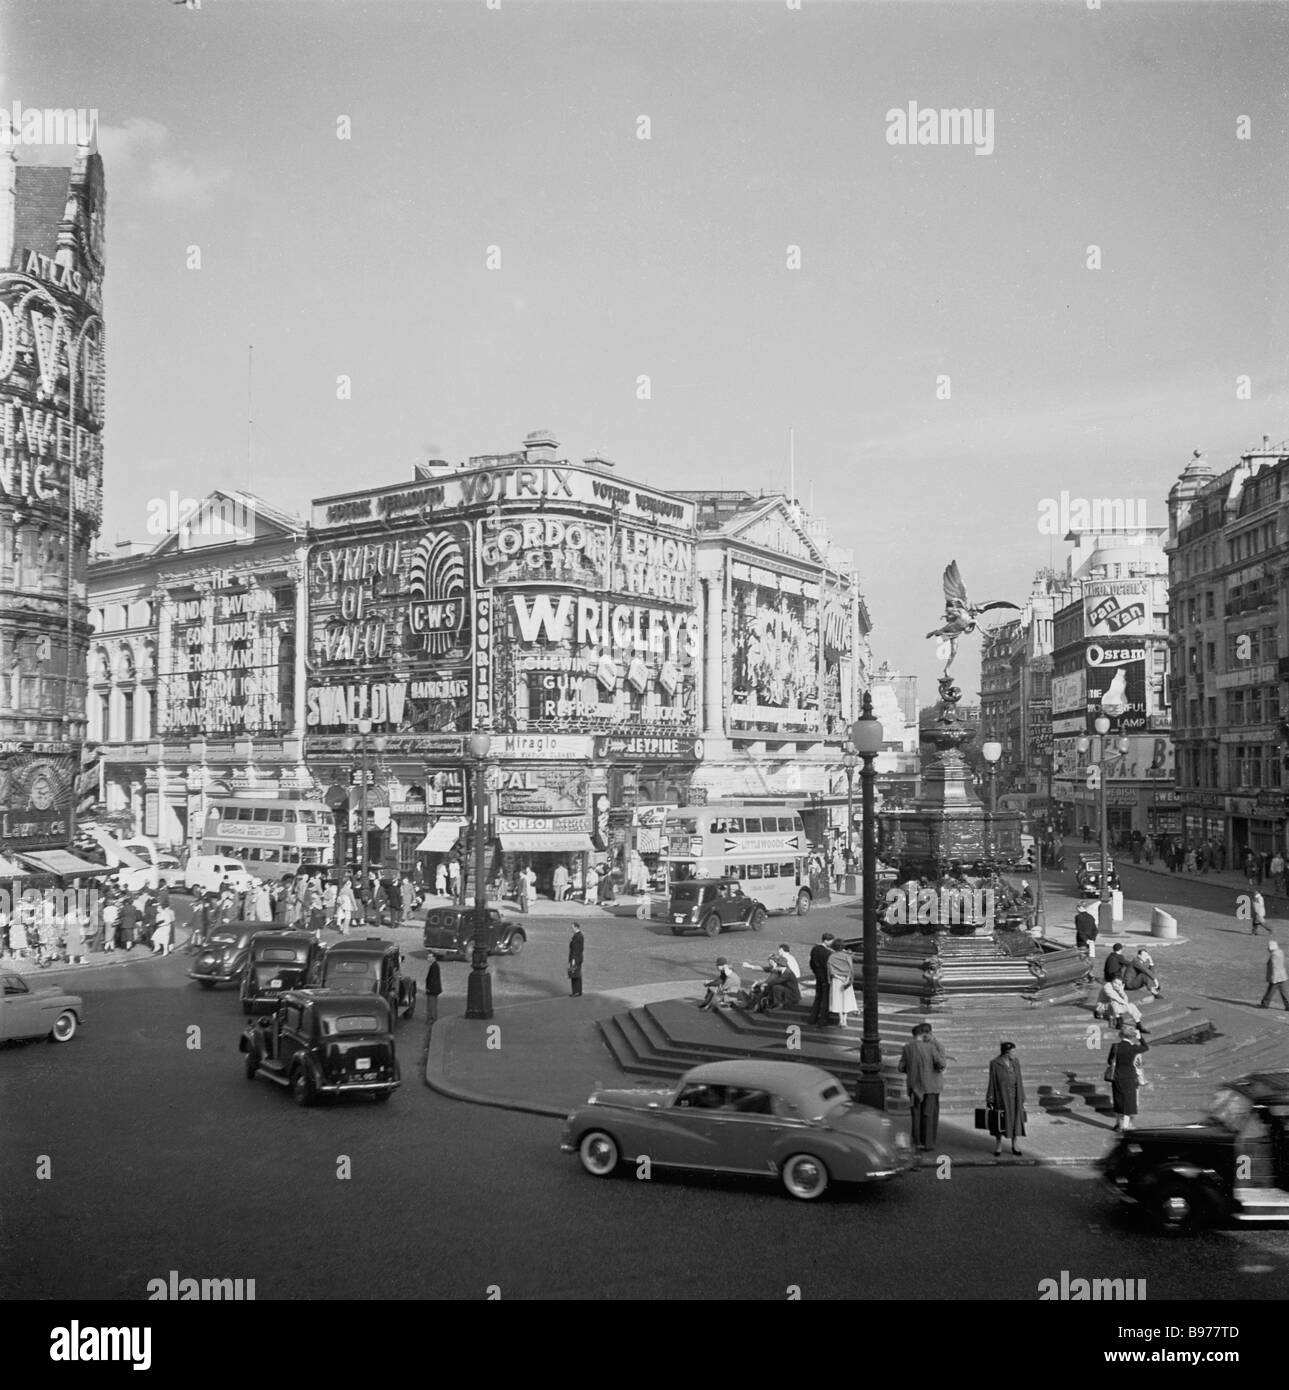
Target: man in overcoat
<point>576,951</point>
<point>923,1062</point>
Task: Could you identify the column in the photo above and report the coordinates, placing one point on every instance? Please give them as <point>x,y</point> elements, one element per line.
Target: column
<point>713,668</point>
<point>301,639</point>
<point>161,714</point>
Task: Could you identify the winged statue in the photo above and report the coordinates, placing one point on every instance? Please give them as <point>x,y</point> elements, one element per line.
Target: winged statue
<point>960,614</point>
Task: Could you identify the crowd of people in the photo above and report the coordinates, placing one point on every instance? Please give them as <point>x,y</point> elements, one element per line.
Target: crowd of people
<point>1204,857</point>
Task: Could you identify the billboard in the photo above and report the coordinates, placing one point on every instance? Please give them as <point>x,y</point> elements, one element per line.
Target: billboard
<point>1115,608</point>
<point>775,658</point>
<point>35,794</point>
<point>1070,693</point>
<point>1040,728</point>
<point>1117,670</point>
<point>542,550</point>
<point>390,632</point>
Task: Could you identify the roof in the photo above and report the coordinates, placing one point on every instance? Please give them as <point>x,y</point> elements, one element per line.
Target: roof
<point>784,1077</point>
<point>1264,1086</point>
<point>40,203</point>
<point>335,998</point>
<point>367,946</point>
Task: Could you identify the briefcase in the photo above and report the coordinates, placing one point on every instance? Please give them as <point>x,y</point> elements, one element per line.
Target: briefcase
<point>982,1117</point>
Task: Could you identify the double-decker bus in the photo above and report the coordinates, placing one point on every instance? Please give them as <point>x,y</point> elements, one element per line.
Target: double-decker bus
<point>271,838</point>
<point>763,846</point>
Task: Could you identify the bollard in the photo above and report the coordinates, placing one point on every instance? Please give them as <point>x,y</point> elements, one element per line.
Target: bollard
<point>1162,924</point>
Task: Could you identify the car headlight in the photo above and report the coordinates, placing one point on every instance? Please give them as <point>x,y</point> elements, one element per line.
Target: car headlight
<point>1133,1150</point>
<point>902,1140</point>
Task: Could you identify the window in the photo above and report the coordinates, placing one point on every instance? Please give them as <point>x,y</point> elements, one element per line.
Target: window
<point>756,871</point>
<point>787,870</point>
<point>1235,707</point>
<point>308,817</point>
<point>745,1101</point>
<point>289,817</point>
<point>752,825</point>
<point>259,813</point>
<point>698,1097</point>
<point>1210,606</point>
<point>275,815</point>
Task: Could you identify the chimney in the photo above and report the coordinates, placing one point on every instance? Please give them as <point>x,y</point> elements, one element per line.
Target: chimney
<point>430,469</point>
<point>540,447</point>
<point>599,463</point>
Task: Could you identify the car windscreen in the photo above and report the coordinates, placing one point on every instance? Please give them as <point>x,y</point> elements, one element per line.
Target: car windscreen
<point>348,968</point>
<point>351,1023</point>
<point>686,892</point>
<point>1230,1109</point>
<point>267,953</point>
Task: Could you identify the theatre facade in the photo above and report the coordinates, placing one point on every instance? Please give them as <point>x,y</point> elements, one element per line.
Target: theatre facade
<point>548,603</point>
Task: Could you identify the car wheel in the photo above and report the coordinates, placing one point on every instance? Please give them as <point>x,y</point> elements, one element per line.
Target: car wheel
<point>805,1177</point>
<point>206,984</point>
<point>64,1029</point>
<point>1179,1208</point>
<point>677,931</point>
<point>252,1066</point>
<point>515,944</point>
<point>712,925</point>
<point>757,920</point>
<point>382,1096</point>
<point>302,1088</point>
<point>599,1153</point>
<point>803,903</point>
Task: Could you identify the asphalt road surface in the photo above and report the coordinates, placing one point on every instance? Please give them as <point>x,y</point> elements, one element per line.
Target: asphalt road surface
<point>159,1155</point>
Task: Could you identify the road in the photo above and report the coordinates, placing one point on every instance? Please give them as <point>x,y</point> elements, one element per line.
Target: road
<point>161,1156</point>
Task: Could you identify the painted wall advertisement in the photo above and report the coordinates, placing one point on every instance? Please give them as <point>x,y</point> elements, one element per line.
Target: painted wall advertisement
<point>543,791</point>
<point>35,795</point>
<point>1040,729</point>
<point>1116,608</point>
<point>225,665</point>
<point>1116,674</point>
<point>390,632</point>
<point>775,646</point>
<point>1070,693</point>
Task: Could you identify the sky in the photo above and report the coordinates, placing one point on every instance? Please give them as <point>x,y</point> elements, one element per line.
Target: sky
<point>517,127</point>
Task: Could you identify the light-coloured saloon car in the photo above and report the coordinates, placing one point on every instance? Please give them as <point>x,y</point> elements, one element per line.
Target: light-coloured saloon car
<point>782,1119</point>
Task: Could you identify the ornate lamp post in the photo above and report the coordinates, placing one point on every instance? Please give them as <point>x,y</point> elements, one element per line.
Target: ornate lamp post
<point>850,761</point>
<point>991,752</point>
<point>1102,726</point>
<point>866,739</point>
<point>479,984</point>
<point>365,742</point>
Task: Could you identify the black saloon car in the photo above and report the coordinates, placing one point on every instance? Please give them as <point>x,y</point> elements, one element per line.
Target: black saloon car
<point>222,959</point>
<point>712,905</point>
<point>1232,1166</point>
<point>355,964</point>
<point>276,962</point>
<point>324,1042</point>
<point>449,931</point>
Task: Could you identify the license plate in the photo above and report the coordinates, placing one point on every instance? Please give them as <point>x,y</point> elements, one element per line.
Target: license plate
<point>362,1063</point>
<point>275,984</point>
<point>680,919</point>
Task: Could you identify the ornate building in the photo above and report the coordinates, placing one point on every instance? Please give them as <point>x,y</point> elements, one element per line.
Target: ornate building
<point>51,482</point>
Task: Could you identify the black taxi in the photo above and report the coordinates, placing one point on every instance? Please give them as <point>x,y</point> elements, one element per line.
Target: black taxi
<point>275,962</point>
<point>449,931</point>
<point>222,959</point>
<point>712,905</point>
<point>1230,1167</point>
<point>324,1042</point>
<point>355,964</point>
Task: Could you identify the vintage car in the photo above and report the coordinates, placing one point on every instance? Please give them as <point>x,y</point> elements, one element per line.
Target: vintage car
<point>357,964</point>
<point>276,962</point>
<point>209,872</point>
<point>1088,875</point>
<point>1230,1167</point>
<point>37,1011</point>
<point>223,958</point>
<point>449,931</point>
<point>712,905</point>
<point>324,1042</point>
<point>793,1121</point>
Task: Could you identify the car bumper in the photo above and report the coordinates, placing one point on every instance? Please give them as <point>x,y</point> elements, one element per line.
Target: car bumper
<point>332,1088</point>
<point>216,977</point>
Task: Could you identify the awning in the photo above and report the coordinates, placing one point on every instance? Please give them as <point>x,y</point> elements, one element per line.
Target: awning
<point>58,861</point>
<point>535,843</point>
<point>441,836</point>
<point>8,869</point>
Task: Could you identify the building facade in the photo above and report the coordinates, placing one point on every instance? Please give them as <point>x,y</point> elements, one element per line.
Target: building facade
<point>51,483</point>
<point>1228,552</point>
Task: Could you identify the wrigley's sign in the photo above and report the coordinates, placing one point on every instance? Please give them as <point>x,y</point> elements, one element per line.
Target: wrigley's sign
<point>549,484</point>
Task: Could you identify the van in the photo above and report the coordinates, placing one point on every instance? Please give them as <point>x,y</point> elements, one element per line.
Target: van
<point>207,872</point>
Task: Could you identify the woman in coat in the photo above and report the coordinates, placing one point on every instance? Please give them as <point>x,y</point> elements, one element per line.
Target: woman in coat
<point>1005,1098</point>
<point>1125,1066</point>
<point>841,986</point>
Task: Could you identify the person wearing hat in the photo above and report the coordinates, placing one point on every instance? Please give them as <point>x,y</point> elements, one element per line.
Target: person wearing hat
<point>1276,976</point>
<point>576,953</point>
<point>1123,1071</point>
<point>1005,1098</point>
<point>722,988</point>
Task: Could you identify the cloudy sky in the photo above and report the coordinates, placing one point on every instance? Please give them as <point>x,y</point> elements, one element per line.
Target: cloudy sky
<point>519,127</point>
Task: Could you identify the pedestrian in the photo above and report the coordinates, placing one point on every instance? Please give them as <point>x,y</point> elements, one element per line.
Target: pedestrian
<point>1142,968</point>
<point>841,986</point>
<point>317,917</point>
<point>149,917</point>
<point>576,955</point>
<point>345,907</point>
<point>163,936</point>
<point>1005,1098</point>
<point>1125,1075</point>
<point>1114,963</point>
<point>1258,914</point>
<point>522,889</point>
<point>454,877</point>
<point>820,954</point>
<point>1276,976</point>
<point>1277,869</point>
<point>129,923</point>
<point>263,904</point>
<point>1085,936</point>
<point>559,882</point>
<point>441,879</point>
<point>577,882</point>
<point>75,927</point>
<point>838,866</point>
<point>722,988</point>
<point>111,916</point>
<point>923,1062</point>
<point>406,897</point>
<point>1191,861</point>
<point>433,988</point>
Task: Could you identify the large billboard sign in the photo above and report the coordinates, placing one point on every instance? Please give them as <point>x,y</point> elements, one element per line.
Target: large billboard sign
<point>390,631</point>
<point>776,669</point>
<point>542,551</point>
<point>1116,608</point>
<point>1116,674</point>
<point>35,794</point>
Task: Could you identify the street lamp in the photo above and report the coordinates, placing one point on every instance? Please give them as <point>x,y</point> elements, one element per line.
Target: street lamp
<point>365,742</point>
<point>1102,726</point>
<point>850,761</point>
<point>991,752</point>
<point>866,739</point>
<point>479,984</point>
